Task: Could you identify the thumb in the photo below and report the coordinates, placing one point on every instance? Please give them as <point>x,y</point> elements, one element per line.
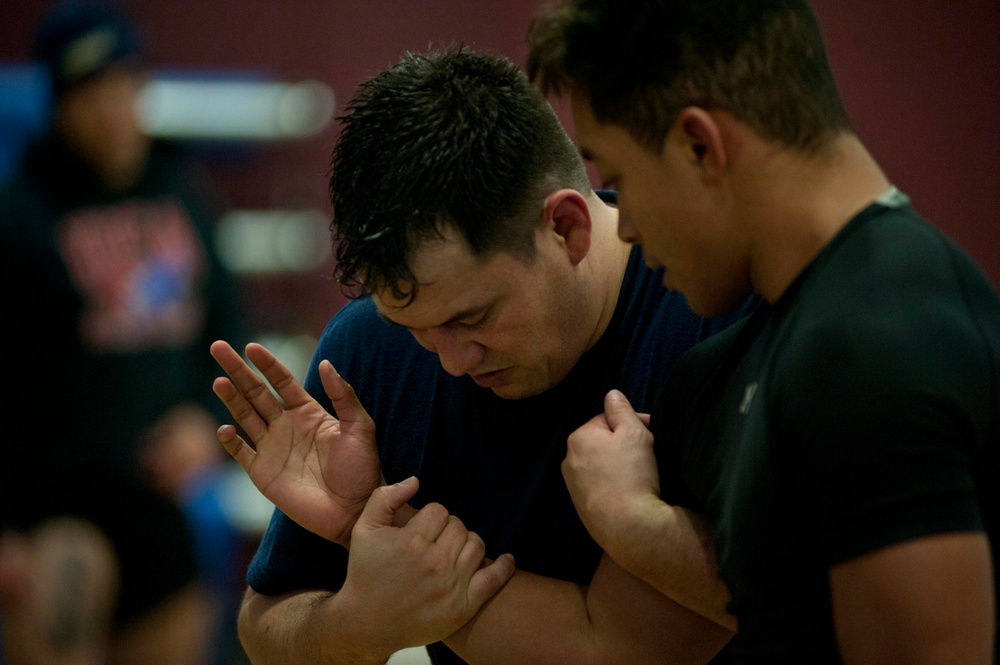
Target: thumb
<point>619,411</point>
<point>385,501</point>
<point>350,412</point>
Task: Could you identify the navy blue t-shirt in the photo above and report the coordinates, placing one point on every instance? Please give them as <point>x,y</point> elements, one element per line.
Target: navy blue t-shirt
<point>493,462</point>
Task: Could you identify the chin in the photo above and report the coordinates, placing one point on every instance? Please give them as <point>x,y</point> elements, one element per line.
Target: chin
<point>520,389</point>
<point>514,391</point>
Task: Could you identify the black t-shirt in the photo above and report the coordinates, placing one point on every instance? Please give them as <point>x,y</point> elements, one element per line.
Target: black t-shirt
<point>111,300</point>
<point>859,411</point>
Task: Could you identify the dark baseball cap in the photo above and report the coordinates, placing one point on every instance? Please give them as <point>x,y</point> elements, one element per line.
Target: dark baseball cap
<point>78,40</point>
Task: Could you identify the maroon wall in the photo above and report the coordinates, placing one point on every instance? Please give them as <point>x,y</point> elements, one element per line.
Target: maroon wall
<point>920,79</point>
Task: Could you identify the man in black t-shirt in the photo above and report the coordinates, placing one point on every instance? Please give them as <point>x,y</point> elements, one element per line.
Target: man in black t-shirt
<point>845,439</point>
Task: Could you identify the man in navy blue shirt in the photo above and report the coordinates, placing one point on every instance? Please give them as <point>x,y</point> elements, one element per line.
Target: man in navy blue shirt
<point>496,309</point>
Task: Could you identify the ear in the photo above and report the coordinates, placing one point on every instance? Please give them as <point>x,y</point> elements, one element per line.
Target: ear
<point>569,215</point>
<point>703,141</point>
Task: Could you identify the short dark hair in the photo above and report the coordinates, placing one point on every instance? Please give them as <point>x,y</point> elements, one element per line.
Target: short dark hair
<point>642,61</point>
<point>447,138</point>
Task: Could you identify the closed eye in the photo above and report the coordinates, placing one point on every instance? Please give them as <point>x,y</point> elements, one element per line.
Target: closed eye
<point>474,323</point>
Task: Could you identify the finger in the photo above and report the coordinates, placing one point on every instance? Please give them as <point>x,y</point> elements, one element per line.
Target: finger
<point>597,423</point>
<point>255,395</point>
<point>587,432</point>
<point>618,411</point>
<point>454,539</point>
<point>237,448</point>
<point>280,377</point>
<point>644,418</point>
<point>242,411</point>
<point>430,521</point>
<point>351,413</point>
<point>488,580</point>
<point>470,557</point>
<point>385,501</point>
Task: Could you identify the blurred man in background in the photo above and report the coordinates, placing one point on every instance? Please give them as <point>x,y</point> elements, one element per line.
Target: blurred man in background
<point>112,292</point>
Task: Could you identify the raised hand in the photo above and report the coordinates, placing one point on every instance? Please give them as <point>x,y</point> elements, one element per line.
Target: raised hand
<point>319,470</point>
<point>418,583</point>
<point>610,468</point>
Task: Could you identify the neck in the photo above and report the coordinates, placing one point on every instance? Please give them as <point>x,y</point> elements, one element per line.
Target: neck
<point>607,263</point>
<point>797,203</point>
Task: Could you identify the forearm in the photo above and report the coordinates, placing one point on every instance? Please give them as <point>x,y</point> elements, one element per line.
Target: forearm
<point>635,623</point>
<point>671,549</point>
<point>306,628</point>
<point>623,616</point>
<point>618,619</point>
<point>533,619</point>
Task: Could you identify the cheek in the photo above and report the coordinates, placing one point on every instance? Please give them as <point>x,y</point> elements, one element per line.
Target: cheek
<point>519,338</point>
<point>639,208</point>
<point>423,339</point>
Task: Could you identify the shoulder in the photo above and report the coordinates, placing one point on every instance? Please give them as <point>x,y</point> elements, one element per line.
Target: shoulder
<point>896,318</point>
<point>363,346</point>
<point>358,319</point>
<point>893,284</point>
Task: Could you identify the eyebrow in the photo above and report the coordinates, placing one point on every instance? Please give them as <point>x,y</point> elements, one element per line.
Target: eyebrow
<point>455,318</point>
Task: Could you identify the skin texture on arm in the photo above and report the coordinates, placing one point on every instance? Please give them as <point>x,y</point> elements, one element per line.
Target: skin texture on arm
<point>612,477</point>
<point>927,601</point>
<point>405,586</point>
<point>617,619</point>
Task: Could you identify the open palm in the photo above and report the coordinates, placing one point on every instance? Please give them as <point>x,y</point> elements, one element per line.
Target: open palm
<point>318,469</point>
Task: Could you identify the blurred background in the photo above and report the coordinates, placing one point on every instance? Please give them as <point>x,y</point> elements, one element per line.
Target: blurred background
<point>254,88</point>
<point>921,80</point>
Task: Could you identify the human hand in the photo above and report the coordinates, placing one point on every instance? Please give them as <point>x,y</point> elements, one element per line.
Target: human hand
<point>610,468</point>
<point>419,583</point>
<point>319,470</point>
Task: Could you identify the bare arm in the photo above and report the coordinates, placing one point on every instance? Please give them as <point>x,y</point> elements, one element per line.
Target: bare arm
<point>611,473</point>
<point>405,586</point>
<point>924,602</point>
<point>305,628</point>
<point>532,620</point>
<point>617,619</point>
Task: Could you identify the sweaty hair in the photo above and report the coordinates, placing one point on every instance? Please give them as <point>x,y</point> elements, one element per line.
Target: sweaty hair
<point>450,138</point>
<point>640,62</point>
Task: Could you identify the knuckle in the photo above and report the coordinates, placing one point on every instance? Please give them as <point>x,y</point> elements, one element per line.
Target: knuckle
<point>436,510</point>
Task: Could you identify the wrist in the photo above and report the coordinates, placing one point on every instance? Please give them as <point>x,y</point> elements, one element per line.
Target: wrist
<point>627,525</point>
<point>363,638</point>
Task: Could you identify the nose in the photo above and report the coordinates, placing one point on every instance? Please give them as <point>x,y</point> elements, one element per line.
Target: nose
<point>457,352</point>
<point>626,230</point>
